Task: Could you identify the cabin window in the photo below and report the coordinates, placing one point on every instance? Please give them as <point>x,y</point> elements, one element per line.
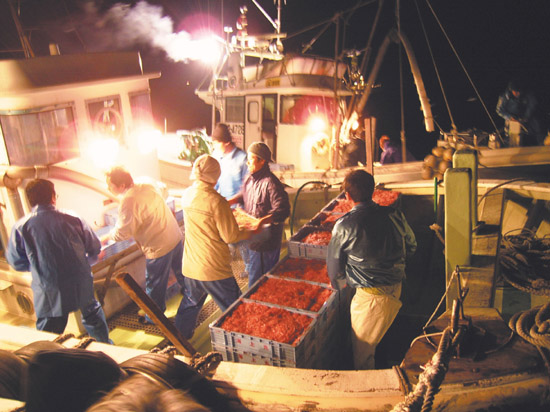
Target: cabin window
<point>269,115</point>
<point>106,117</point>
<point>40,136</point>
<point>253,112</point>
<point>140,104</point>
<point>298,109</point>
<point>234,110</point>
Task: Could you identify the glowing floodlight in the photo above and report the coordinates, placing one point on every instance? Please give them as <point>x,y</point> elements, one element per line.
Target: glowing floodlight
<point>146,140</point>
<point>317,123</point>
<point>208,50</point>
<point>181,47</point>
<point>103,152</point>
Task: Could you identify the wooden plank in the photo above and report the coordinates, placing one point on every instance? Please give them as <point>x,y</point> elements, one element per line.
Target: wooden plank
<point>152,310</point>
<point>480,284</point>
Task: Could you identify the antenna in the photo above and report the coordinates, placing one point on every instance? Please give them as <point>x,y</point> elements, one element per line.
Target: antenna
<point>275,23</point>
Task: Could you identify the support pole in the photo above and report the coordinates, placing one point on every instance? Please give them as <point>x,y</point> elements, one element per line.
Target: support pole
<point>370,141</point>
<point>145,303</point>
<point>458,224</point>
<point>467,159</point>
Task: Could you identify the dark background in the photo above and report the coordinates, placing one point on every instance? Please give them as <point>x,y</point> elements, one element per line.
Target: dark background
<point>494,41</point>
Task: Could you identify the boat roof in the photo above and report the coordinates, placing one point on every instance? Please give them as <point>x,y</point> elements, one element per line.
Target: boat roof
<point>25,75</point>
<point>293,74</point>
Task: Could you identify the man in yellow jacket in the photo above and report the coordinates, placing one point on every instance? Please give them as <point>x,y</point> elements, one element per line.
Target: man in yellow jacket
<point>209,227</point>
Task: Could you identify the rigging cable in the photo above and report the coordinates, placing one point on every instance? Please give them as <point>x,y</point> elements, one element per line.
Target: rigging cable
<point>453,125</point>
<point>367,53</point>
<point>73,27</point>
<point>401,97</point>
<point>330,20</point>
<point>465,71</point>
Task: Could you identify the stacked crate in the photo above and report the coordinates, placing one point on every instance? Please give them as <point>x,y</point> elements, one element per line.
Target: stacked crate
<point>304,352</point>
<point>322,223</point>
<point>318,344</point>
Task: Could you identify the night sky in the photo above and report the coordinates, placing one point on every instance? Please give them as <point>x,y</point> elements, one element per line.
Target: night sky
<point>496,41</point>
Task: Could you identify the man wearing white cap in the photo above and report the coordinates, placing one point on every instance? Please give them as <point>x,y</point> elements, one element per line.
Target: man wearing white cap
<point>209,227</point>
<point>264,197</point>
<point>144,215</point>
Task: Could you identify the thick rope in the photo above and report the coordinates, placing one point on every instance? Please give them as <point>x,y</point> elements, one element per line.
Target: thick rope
<point>429,381</point>
<point>168,350</point>
<point>84,343</point>
<point>525,261</point>
<point>533,325</point>
<point>207,363</point>
<point>538,287</point>
<point>202,364</point>
<point>64,337</point>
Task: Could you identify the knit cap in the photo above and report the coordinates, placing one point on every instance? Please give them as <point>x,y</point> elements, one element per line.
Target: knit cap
<point>261,150</point>
<point>207,169</point>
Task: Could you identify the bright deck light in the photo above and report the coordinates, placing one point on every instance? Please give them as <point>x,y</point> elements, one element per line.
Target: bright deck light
<point>317,123</point>
<point>207,49</point>
<point>146,140</point>
<point>103,152</point>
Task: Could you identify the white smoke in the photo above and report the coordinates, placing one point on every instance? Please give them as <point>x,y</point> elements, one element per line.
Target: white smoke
<point>144,23</point>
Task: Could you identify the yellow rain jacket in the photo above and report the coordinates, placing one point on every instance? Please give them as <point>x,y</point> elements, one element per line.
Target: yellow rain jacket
<point>209,227</point>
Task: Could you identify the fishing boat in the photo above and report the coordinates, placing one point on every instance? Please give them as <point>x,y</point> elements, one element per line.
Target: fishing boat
<point>479,363</point>
<point>67,118</point>
<point>493,367</point>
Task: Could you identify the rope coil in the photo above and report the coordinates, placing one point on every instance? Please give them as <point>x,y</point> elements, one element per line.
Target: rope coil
<point>525,261</point>
<point>533,325</point>
<point>429,381</point>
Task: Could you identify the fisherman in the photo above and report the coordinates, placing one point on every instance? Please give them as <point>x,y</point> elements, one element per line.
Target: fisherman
<point>354,152</point>
<point>144,215</point>
<point>391,152</point>
<point>209,227</point>
<point>367,252</point>
<point>233,172</point>
<point>232,162</point>
<point>264,197</point>
<point>519,105</point>
<point>57,247</point>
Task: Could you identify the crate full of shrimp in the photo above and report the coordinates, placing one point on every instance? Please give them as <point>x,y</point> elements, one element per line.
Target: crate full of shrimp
<point>383,197</point>
<point>257,332</point>
<point>309,242</point>
<point>286,292</point>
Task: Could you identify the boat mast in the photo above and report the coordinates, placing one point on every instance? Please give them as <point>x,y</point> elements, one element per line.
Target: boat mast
<point>27,49</point>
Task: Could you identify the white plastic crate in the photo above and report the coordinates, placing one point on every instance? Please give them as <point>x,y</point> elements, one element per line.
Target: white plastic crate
<point>297,248</point>
<point>298,354</point>
<point>282,266</point>
<point>328,303</point>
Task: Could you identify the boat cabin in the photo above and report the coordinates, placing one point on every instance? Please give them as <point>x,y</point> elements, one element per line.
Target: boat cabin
<point>292,104</point>
<point>68,119</point>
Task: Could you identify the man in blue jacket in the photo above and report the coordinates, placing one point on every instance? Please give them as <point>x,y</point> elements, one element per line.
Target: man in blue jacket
<point>519,105</point>
<point>263,195</point>
<point>57,247</point>
<point>392,152</point>
<point>367,251</point>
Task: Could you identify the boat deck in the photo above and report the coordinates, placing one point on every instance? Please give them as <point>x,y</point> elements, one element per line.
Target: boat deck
<point>127,330</point>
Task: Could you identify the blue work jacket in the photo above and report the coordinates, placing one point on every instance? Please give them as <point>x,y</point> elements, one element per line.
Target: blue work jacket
<point>233,172</point>
<point>55,247</point>
<point>263,194</point>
